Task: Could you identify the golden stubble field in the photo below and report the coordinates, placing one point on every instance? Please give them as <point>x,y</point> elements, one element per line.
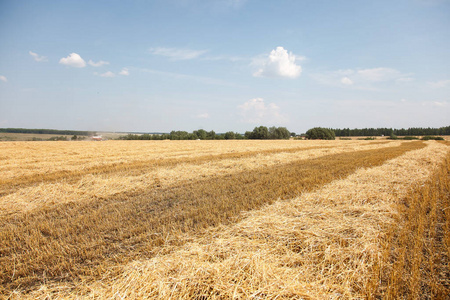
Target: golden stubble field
<point>224,219</point>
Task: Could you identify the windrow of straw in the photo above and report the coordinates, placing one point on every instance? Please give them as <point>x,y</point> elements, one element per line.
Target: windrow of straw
<point>322,245</point>
<point>416,263</point>
<point>24,159</point>
<point>81,240</point>
<point>23,172</point>
<point>136,177</point>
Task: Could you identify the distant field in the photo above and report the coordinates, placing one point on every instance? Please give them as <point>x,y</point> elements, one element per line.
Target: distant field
<point>224,219</point>
<point>6,136</point>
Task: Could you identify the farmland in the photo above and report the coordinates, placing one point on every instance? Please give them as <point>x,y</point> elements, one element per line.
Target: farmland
<point>224,219</point>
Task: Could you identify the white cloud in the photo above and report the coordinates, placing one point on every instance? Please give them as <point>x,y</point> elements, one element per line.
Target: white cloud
<point>110,74</point>
<point>279,63</point>
<point>177,53</point>
<point>439,103</point>
<point>439,84</point>
<point>379,74</point>
<point>364,79</point>
<point>256,111</point>
<point>37,57</point>
<point>124,72</point>
<point>99,63</point>
<point>3,78</point>
<point>106,74</point>
<point>73,60</point>
<point>435,104</point>
<point>346,81</point>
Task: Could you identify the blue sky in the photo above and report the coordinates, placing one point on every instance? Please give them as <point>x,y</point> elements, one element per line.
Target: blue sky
<point>224,65</point>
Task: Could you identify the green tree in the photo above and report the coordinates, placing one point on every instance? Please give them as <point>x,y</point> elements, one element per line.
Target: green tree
<point>320,133</point>
<point>200,134</point>
<point>279,133</point>
<point>211,135</point>
<point>259,133</point>
<point>229,135</point>
<point>283,133</point>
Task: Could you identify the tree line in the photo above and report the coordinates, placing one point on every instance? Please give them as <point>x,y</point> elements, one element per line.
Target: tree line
<point>413,131</point>
<point>47,131</point>
<point>258,133</point>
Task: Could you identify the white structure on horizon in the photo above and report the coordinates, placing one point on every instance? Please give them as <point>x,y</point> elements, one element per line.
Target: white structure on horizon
<point>97,138</point>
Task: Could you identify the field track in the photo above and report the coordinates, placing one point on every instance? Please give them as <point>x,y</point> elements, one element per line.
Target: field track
<point>126,239</point>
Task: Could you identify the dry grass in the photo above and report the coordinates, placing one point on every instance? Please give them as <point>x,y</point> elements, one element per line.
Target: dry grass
<point>39,188</point>
<point>165,236</point>
<point>322,245</point>
<point>416,263</point>
<point>30,162</point>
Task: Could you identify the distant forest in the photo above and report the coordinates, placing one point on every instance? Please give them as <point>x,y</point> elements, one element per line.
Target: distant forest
<point>47,131</point>
<point>389,131</point>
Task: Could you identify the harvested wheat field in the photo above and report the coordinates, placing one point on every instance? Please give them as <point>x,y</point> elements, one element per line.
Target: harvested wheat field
<point>225,220</point>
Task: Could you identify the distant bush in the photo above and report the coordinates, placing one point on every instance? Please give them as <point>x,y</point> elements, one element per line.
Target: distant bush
<point>430,137</point>
<point>410,138</point>
<point>319,133</point>
<point>367,138</point>
<point>392,136</point>
<point>58,138</point>
<point>345,138</point>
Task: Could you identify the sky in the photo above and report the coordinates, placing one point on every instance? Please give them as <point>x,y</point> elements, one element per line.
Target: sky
<point>224,65</point>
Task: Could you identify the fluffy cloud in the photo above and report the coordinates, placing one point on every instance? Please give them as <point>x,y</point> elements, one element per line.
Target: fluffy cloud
<point>279,63</point>
<point>439,84</point>
<point>124,72</point>
<point>177,53</point>
<point>346,81</point>
<point>3,78</point>
<point>255,111</point>
<point>73,60</point>
<point>37,57</point>
<point>110,74</point>
<point>106,74</point>
<point>98,64</point>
